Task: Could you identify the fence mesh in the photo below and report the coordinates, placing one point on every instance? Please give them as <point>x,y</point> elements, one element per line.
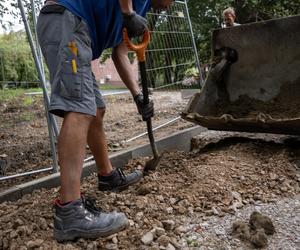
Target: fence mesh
<point>172,68</point>
<point>171,60</point>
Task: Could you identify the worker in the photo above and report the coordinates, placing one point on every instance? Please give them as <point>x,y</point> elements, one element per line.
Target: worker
<point>229,18</point>
<point>72,33</point>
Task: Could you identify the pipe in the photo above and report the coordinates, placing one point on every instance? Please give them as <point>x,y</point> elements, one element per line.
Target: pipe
<point>50,118</point>
<point>25,174</point>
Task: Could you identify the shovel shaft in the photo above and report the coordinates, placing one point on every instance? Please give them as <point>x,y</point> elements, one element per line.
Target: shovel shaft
<point>140,49</point>
<point>144,81</point>
<point>145,90</point>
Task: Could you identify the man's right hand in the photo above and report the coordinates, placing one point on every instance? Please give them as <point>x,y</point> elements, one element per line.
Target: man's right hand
<point>135,24</point>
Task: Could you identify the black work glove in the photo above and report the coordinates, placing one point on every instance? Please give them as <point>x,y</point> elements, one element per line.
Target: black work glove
<point>135,24</point>
<point>146,110</point>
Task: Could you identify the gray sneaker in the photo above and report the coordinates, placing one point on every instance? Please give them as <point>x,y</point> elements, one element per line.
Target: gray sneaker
<point>118,180</point>
<point>81,219</point>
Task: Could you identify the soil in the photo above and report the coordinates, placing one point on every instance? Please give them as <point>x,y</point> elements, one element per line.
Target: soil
<point>24,141</point>
<point>190,202</point>
<point>284,106</point>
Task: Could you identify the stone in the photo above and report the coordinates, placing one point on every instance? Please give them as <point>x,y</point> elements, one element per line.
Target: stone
<point>169,210</point>
<point>115,240</point>
<point>163,240</point>
<point>18,222</point>
<point>147,238</point>
<point>259,239</point>
<point>170,247</point>
<point>168,224</point>
<point>13,234</point>
<point>34,243</point>
<point>92,246</point>
<point>43,224</point>
<point>240,230</point>
<point>258,221</point>
<point>111,246</point>
<point>159,231</point>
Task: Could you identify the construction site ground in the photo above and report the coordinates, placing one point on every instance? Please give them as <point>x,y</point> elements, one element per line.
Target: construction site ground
<point>190,202</point>
<point>25,144</point>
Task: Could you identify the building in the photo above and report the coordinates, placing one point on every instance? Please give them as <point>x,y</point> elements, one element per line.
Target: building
<point>106,73</point>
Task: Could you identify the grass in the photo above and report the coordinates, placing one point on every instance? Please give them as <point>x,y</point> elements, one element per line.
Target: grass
<point>10,94</point>
<point>111,87</point>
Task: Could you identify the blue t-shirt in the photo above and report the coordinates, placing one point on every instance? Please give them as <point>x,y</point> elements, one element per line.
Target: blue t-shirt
<point>104,18</point>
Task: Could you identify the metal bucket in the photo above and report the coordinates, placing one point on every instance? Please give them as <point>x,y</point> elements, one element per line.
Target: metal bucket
<point>260,91</point>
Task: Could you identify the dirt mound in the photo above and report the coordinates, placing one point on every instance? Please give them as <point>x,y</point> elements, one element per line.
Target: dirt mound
<point>214,182</point>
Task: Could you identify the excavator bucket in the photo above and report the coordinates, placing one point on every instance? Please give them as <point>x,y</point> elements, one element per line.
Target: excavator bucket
<point>254,82</point>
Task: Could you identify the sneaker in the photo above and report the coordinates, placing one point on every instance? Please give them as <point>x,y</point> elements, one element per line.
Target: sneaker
<point>118,181</point>
<point>81,219</point>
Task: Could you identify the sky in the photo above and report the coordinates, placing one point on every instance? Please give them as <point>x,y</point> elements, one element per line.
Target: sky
<point>9,18</point>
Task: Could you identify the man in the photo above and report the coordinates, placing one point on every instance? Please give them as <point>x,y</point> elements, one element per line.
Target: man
<point>71,34</point>
<point>229,18</point>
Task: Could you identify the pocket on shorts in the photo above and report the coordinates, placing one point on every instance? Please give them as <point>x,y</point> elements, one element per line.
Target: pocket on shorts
<point>71,82</point>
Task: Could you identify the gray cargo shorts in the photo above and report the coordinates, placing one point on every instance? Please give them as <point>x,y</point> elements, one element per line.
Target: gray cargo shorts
<point>66,46</point>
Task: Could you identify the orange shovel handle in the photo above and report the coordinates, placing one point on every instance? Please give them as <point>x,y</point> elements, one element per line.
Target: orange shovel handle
<point>139,49</point>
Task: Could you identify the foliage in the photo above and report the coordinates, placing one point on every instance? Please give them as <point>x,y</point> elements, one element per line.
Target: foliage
<point>207,15</point>
<point>16,62</point>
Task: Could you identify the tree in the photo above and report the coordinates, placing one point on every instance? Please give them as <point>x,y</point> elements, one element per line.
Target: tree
<point>16,61</point>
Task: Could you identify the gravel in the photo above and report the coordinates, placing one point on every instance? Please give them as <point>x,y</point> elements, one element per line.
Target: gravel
<point>190,202</point>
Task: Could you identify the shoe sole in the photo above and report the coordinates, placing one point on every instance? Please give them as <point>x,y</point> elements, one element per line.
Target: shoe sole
<point>120,188</point>
<point>73,234</point>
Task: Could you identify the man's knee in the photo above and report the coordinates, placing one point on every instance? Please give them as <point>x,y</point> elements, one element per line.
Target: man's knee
<point>101,112</point>
<point>78,118</point>
<point>99,117</point>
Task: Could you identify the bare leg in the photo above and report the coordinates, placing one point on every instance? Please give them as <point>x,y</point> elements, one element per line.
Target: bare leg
<point>98,144</point>
<point>71,152</point>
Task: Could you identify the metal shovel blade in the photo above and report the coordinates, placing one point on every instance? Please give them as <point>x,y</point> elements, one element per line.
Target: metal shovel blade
<point>152,164</point>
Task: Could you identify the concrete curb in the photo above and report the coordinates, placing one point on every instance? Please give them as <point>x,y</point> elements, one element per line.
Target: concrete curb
<point>179,141</point>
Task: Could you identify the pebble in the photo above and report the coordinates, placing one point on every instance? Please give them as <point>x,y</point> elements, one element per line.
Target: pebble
<point>111,246</point>
<point>159,231</point>
<point>163,240</point>
<point>170,247</point>
<point>168,224</point>
<point>147,238</point>
<point>34,243</point>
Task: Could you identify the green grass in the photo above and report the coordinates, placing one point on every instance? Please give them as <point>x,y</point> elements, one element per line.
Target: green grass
<point>111,87</point>
<point>10,94</point>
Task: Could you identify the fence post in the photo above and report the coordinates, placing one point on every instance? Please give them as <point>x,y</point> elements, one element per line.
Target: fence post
<point>50,119</point>
<point>201,82</point>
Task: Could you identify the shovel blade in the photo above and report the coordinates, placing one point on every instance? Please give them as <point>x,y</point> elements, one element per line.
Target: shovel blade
<point>152,164</point>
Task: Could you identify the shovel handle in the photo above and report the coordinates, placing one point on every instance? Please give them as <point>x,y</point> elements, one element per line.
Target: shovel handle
<point>139,49</point>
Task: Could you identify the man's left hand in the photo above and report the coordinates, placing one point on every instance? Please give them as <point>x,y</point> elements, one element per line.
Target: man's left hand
<point>146,110</point>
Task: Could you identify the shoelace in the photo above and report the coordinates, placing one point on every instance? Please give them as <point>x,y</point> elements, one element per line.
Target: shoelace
<point>122,175</point>
<point>90,205</point>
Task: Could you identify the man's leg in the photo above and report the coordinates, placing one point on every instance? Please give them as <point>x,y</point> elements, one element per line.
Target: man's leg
<point>71,152</point>
<point>109,178</point>
<point>98,144</point>
<point>72,98</point>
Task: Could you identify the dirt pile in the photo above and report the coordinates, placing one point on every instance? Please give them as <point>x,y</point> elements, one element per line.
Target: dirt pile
<point>256,231</point>
<point>284,105</point>
<point>215,182</point>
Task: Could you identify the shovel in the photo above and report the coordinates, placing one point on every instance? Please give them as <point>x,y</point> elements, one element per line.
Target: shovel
<point>140,50</point>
